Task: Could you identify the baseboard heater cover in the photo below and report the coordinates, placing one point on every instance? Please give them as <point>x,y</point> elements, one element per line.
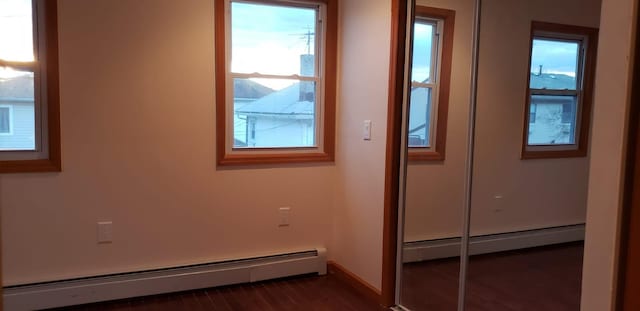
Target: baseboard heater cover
<point>445,248</point>
<point>135,284</point>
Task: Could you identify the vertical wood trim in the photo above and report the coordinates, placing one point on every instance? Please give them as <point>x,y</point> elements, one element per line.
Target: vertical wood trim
<point>627,298</point>
<point>53,85</point>
<point>220,77</point>
<point>330,79</point>
<point>1,255</point>
<point>392,161</point>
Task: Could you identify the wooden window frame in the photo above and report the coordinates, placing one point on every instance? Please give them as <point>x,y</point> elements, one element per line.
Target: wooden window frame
<point>443,84</point>
<point>46,72</point>
<point>584,91</point>
<point>249,156</point>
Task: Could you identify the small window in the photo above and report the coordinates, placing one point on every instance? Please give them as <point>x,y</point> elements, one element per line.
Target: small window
<point>276,81</point>
<point>29,103</point>
<point>430,75</point>
<point>560,84</point>
<point>5,120</point>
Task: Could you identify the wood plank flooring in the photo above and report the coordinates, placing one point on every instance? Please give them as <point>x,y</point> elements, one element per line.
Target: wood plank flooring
<point>544,278</point>
<point>300,293</point>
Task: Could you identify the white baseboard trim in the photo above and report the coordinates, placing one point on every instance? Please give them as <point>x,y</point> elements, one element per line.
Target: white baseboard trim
<point>444,248</point>
<point>120,286</point>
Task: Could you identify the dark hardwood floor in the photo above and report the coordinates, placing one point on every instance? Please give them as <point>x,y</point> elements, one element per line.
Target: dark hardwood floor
<point>545,278</point>
<point>299,293</point>
<point>431,285</point>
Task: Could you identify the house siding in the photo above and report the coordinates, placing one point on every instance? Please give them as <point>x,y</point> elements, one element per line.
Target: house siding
<point>22,132</point>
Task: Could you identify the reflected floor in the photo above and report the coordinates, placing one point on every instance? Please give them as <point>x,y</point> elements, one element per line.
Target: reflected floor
<point>544,278</point>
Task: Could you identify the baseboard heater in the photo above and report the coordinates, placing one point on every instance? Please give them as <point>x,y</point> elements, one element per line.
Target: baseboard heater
<point>159,281</point>
<point>445,248</point>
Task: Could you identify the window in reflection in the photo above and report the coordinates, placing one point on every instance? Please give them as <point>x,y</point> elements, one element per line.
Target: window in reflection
<point>430,72</point>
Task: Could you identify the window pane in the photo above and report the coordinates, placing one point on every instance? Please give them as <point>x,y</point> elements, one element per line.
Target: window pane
<point>267,117</point>
<point>5,125</point>
<point>420,117</point>
<point>554,121</point>
<point>16,94</point>
<point>554,64</point>
<point>272,39</point>
<point>422,52</point>
<point>16,30</point>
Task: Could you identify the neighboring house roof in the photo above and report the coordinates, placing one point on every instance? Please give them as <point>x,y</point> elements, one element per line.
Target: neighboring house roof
<point>552,81</point>
<point>239,143</point>
<point>20,87</point>
<point>282,102</point>
<point>244,88</point>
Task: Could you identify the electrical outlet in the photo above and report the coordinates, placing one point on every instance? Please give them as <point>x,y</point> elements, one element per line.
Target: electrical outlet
<point>284,216</point>
<point>105,232</point>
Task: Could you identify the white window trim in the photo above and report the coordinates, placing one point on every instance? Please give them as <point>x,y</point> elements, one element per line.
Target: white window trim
<point>320,46</point>
<point>434,84</point>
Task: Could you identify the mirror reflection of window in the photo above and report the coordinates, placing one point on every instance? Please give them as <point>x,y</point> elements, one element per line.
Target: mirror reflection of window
<point>554,93</point>
<point>430,73</point>
<point>423,82</point>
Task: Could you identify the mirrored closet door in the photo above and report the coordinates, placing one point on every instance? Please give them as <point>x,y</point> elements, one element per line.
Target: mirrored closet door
<point>536,64</point>
<point>522,186</point>
<point>436,149</point>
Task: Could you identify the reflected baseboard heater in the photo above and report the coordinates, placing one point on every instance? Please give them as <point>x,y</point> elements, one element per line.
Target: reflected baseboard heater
<point>445,248</point>
<point>160,281</point>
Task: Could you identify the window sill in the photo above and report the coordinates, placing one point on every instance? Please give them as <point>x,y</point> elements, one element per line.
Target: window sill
<point>552,154</point>
<point>30,166</point>
<point>279,158</point>
<point>426,156</point>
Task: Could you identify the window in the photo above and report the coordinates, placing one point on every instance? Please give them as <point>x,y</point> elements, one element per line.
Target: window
<point>560,84</point>
<point>275,81</point>
<point>5,120</point>
<point>29,86</point>
<point>430,75</point>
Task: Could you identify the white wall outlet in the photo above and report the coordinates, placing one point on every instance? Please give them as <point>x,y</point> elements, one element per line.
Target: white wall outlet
<point>284,216</point>
<point>366,130</point>
<point>105,232</point>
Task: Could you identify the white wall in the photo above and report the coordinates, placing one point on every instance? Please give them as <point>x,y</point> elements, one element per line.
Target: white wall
<point>535,193</point>
<point>138,135</point>
<point>363,95</point>
<point>607,153</point>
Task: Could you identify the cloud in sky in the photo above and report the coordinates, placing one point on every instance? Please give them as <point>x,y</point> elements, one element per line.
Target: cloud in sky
<point>16,39</point>
<point>422,46</point>
<point>269,39</point>
<point>559,57</point>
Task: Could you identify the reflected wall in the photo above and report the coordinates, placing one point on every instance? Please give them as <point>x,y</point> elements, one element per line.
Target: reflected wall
<point>509,194</point>
<point>435,188</point>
